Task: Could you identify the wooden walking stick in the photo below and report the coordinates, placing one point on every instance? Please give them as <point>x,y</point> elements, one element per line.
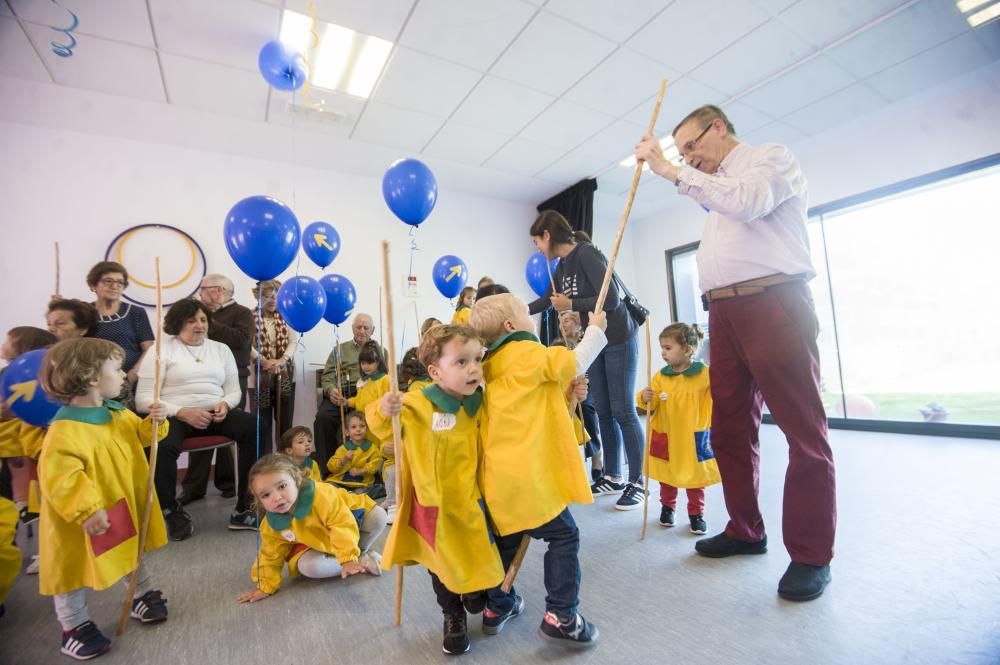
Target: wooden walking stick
<point>649,433</point>
<point>340,387</point>
<point>153,447</point>
<point>522,549</point>
<point>397,439</point>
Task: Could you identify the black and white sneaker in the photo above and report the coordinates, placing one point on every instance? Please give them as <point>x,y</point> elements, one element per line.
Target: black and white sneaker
<point>244,521</point>
<point>179,525</point>
<point>577,632</point>
<point>667,517</point>
<point>85,642</point>
<point>150,607</point>
<point>606,486</point>
<point>456,634</point>
<point>698,525</point>
<point>631,498</point>
<point>493,623</point>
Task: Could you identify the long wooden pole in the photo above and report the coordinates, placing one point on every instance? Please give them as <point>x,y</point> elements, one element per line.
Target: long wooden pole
<point>153,448</point>
<point>397,439</point>
<point>649,432</point>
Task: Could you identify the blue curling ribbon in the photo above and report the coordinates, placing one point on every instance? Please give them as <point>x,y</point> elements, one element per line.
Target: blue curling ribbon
<point>65,50</point>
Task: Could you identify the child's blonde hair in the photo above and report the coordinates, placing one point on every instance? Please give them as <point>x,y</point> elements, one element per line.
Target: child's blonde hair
<point>70,367</point>
<point>682,333</point>
<point>276,463</point>
<point>490,313</point>
<point>428,324</point>
<point>288,438</point>
<point>432,344</point>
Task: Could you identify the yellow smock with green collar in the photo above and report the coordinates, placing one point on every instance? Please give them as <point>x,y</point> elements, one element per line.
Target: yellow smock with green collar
<point>10,556</point>
<point>461,316</point>
<point>92,458</point>
<point>441,521</point>
<point>313,467</point>
<point>531,466</point>
<point>367,456</point>
<point>325,518</point>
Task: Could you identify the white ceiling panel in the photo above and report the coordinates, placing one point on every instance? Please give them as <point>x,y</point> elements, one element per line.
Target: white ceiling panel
<point>552,54</point>
<point>615,142</point>
<point>121,20</point>
<point>573,168</point>
<point>903,36</point>
<point>524,157</point>
<point>320,111</point>
<point>620,82</point>
<point>618,180</point>
<point>501,106</point>
<point>395,128</point>
<point>229,32</point>
<point>381,18</point>
<point>776,132</point>
<point>803,85</point>
<point>464,144</point>
<point>424,83</point>
<point>565,124</point>
<point>752,59</point>
<point>98,64</point>
<point>822,21</point>
<point>774,7</point>
<point>989,36</point>
<point>5,10</point>
<point>838,108</point>
<point>690,32</point>
<point>615,20</point>
<point>206,86</point>
<point>471,32</point>
<point>17,57</point>
<point>936,65</point>
<point>745,118</point>
<point>681,97</point>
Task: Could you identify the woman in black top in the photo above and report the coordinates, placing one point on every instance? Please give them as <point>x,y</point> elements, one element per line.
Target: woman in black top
<point>578,279</point>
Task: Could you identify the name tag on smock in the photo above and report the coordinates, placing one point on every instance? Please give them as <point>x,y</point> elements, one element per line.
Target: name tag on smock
<point>441,422</point>
<point>288,535</point>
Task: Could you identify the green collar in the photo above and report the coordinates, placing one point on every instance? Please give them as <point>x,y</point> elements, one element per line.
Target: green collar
<point>694,369</point>
<point>92,415</point>
<point>461,307</point>
<point>307,463</point>
<point>281,521</point>
<point>374,377</point>
<point>516,336</point>
<point>449,404</point>
<point>363,446</point>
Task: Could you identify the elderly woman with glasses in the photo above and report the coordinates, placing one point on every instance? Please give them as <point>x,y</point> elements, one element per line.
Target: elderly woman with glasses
<point>272,378</point>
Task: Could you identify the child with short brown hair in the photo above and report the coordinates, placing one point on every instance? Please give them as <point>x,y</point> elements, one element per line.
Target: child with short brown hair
<point>297,443</point>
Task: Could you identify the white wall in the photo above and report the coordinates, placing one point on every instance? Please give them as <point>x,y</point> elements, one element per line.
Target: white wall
<point>951,124</point>
<point>83,189</point>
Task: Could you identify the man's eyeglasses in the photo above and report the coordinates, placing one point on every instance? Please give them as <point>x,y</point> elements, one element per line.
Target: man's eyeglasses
<point>693,143</point>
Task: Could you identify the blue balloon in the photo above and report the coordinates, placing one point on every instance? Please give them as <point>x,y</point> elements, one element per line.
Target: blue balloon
<point>410,190</point>
<point>537,273</point>
<point>321,243</point>
<point>282,67</point>
<point>340,298</point>
<point>302,303</point>
<point>262,236</point>
<point>450,275</point>
<point>22,392</point>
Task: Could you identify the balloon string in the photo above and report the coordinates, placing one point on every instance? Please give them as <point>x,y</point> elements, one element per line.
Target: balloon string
<point>306,88</point>
<point>413,246</point>
<point>65,50</point>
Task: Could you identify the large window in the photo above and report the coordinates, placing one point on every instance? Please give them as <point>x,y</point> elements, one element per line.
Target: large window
<point>908,298</point>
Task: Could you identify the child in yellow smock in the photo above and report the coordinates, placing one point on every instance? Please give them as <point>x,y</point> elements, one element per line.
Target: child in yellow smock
<point>680,450</point>
<point>10,556</point>
<point>531,467</point>
<point>93,477</point>
<point>297,443</point>
<point>464,308</point>
<point>443,523</point>
<point>317,529</point>
<point>355,463</point>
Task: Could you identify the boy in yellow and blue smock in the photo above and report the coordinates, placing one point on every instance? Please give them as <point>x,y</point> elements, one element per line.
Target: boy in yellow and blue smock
<point>93,477</point>
<point>531,468</point>
<point>680,449</point>
<point>319,530</point>
<point>10,556</point>
<point>297,443</point>
<point>355,463</point>
<point>442,522</point>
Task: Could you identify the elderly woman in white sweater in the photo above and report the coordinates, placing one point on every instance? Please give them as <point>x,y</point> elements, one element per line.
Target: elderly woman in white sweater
<point>199,385</point>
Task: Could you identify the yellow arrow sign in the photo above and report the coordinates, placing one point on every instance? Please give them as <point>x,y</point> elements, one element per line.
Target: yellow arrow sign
<point>455,270</point>
<point>320,239</point>
<point>25,389</point>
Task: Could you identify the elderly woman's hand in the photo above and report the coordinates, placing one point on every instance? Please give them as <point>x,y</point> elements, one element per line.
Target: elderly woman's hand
<point>220,412</point>
<point>196,418</point>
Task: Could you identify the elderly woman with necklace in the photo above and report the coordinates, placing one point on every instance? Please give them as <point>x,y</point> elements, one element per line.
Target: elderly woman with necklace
<point>199,385</point>
<point>272,390</point>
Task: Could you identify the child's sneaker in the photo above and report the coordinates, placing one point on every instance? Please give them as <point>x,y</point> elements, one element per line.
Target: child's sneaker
<point>474,603</point>
<point>577,632</point>
<point>27,517</point>
<point>666,517</point>
<point>150,607</point>
<point>456,634</point>
<point>84,642</point>
<point>698,525</point>
<point>390,515</point>
<point>632,497</point>
<point>32,568</point>
<point>244,521</point>
<point>606,486</point>
<point>493,623</point>
<point>372,561</point>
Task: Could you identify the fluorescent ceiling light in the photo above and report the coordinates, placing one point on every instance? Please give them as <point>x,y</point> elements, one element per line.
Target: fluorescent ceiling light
<point>342,60</point>
<point>669,151</point>
<point>988,14</point>
<point>967,5</point>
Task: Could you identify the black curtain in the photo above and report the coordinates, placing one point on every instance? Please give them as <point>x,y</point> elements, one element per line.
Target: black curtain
<point>576,204</point>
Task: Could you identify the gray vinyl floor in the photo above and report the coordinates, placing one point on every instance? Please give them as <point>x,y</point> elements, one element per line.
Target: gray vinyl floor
<point>916,580</point>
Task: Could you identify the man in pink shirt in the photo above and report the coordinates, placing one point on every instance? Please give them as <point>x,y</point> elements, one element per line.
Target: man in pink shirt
<point>753,265</point>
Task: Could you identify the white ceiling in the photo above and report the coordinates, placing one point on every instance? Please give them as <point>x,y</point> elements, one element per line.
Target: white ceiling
<point>530,96</point>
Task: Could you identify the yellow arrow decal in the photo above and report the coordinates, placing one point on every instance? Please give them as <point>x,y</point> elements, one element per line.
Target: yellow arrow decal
<point>320,239</point>
<point>455,271</point>
<point>25,389</point>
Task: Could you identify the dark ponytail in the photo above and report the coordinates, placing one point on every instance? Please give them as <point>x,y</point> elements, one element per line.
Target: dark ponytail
<point>560,231</point>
